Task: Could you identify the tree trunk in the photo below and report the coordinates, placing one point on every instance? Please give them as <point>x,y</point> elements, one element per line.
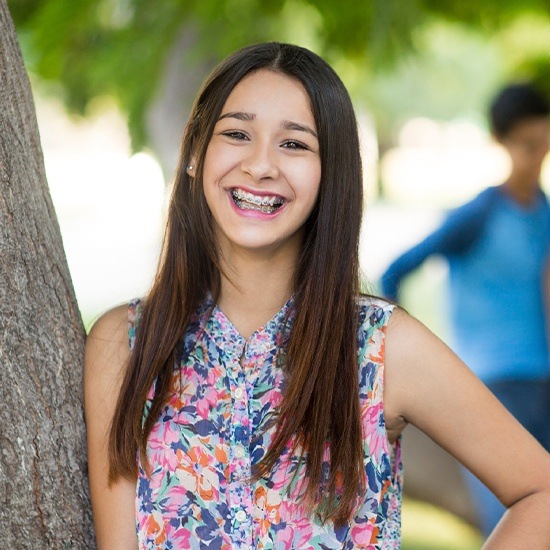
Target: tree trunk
<point>166,116</point>
<point>44,500</point>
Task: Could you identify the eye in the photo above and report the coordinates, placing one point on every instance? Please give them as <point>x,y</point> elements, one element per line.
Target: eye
<point>235,134</point>
<point>293,144</point>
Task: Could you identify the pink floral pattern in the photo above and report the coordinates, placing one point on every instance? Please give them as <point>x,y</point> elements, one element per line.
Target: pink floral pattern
<point>217,424</point>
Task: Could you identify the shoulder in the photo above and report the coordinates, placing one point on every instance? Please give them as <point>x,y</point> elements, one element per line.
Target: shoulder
<point>108,344</point>
<point>407,335</point>
<point>464,225</point>
<point>112,326</point>
<point>410,347</point>
<point>487,196</point>
<point>403,326</point>
<point>482,202</point>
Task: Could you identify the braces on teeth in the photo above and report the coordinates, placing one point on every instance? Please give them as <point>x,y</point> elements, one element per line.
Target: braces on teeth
<point>246,206</point>
<point>248,201</point>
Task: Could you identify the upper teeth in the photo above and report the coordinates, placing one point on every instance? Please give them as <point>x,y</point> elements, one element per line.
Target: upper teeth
<point>254,199</point>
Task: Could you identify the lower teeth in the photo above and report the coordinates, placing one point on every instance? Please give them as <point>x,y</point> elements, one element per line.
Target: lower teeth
<point>248,206</point>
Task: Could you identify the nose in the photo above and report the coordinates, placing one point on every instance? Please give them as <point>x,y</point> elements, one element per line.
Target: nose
<point>260,162</point>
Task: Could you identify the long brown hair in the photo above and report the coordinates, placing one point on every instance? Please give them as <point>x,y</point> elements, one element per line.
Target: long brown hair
<point>321,400</point>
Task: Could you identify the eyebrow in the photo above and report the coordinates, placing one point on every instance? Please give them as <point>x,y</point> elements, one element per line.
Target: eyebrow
<point>239,115</point>
<point>286,124</point>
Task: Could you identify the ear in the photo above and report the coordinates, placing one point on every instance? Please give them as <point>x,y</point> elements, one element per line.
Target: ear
<point>191,167</point>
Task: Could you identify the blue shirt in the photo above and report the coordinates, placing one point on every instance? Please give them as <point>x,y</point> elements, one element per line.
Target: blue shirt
<point>497,252</point>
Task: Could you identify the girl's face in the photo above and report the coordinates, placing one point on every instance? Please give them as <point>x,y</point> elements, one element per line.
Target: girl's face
<point>527,144</point>
<point>262,167</point>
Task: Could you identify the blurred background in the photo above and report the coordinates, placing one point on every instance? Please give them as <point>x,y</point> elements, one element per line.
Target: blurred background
<point>114,81</point>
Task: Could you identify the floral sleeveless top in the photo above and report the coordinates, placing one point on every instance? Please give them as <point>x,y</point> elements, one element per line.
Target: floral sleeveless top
<point>215,426</point>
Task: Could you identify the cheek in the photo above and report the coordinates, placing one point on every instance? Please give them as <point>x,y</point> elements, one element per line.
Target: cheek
<point>208,167</point>
<point>315,184</point>
<point>307,180</point>
<point>216,161</point>
<point>207,189</point>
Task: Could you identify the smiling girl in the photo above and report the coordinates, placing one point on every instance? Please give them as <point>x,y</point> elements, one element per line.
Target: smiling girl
<point>254,398</point>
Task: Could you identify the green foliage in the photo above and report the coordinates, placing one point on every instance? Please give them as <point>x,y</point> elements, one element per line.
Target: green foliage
<point>109,47</point>
<point>91,48</point>
<point>525,44</point>
<point>452,74</point>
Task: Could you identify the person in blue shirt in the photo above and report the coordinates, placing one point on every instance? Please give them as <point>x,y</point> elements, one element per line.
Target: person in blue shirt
<point>498,249</point>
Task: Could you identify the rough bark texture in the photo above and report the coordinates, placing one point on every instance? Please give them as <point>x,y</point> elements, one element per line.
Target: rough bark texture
<point>44,499</point>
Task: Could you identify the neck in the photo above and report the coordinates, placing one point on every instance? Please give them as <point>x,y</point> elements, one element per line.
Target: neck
<point>520,190</point>
<point>255,288</point>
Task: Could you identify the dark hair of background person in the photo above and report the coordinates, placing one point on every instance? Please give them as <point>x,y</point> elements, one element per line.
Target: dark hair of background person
<point>321,398</point>
<point>515,103</point>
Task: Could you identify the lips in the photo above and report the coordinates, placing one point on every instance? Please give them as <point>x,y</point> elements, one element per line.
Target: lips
<point>260,203</point>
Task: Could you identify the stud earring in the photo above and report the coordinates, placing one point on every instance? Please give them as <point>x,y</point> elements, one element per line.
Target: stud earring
<point>189,167</point>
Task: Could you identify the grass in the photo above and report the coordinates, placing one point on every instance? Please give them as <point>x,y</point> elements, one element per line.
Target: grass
<point>425,527</point>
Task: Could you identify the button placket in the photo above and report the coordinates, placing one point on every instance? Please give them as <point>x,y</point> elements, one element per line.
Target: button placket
<point>239,490</point>
<point>240,440</point>
<point>240,516</point>
<point>243,361</point>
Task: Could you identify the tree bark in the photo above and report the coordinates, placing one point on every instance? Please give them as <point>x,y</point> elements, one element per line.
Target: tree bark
<point>44,500</point>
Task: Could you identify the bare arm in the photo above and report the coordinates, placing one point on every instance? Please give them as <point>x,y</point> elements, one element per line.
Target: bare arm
<point>106,355</point>
<point>428,386</point>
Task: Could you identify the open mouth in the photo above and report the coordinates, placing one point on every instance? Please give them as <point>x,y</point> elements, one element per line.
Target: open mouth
<point>267,204</point>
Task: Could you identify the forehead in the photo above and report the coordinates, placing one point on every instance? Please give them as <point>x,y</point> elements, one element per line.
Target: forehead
<point>270,91</point>
<point>530,128</point>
